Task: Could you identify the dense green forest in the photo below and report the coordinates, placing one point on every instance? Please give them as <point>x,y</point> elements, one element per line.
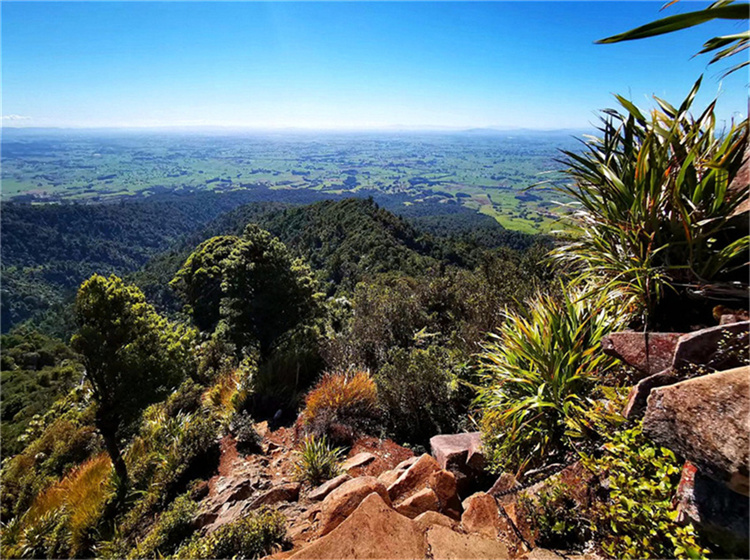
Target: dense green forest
<point>48,250</point>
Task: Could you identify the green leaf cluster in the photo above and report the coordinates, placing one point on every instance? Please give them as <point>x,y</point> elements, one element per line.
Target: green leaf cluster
<point>654,209</point>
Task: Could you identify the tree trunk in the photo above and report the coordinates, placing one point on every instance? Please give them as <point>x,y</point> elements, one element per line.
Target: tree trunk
<point>108,428</point>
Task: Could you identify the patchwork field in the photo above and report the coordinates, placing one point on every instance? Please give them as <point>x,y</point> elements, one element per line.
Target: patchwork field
<point>488,171</point>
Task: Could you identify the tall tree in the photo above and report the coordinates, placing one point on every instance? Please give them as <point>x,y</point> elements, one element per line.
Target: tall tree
<point>249,287</point>
<point>133,356</point>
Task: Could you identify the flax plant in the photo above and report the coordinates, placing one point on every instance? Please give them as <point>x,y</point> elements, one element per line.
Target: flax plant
<point>653,206</point>
<point>536,372</point>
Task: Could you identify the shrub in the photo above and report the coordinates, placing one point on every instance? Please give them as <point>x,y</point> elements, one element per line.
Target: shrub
<point>418,393</point>
<point>316,461</point>
<point>340,406</point>
<point>187,398</point>
<point>80,498</point>
<point>243,430</point>
<point>654,208</point>
<point>535,373</point>
<point>250,537</point>
<point>172,527</point>
<point>559,522</point>
<point>55,442</point>
<point>48,536</point>
<point>637,519</point>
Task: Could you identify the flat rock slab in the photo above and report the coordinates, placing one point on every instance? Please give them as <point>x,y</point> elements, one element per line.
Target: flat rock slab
<point>706,420</point>
<point>449,545</point>
<point>326,488</point>
<point>647,352</point>
<point>704,346</point>
<point>372,531</point>
<point>359,460</point>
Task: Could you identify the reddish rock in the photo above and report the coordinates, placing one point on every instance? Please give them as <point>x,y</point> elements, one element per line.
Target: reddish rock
<point>340,503</point>
<point>372,531</point>
<point>504,482</point>
<point>422,501</point>
<point>481,515</point>
<point>647,352</point>
<point>359,460</point>
<point>389,477</point>
<point>729,318</point>
<point>542,554</point>
<point>451,451</point>
<point>413,479</point>
<point>444,485</point>
<point>636,405</point>
<point>445,544</point>
<point>706,420</point>
<point>327,487</point>
<point>704,347</point>
<point>283,493</point>
<point>432,518</point>
<point>406,463</point>
<point>721,516</point>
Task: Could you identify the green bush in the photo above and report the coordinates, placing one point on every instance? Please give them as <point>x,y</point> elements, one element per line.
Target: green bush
<point>317,461</point>
<point>250,537</point>
<point>172,527</point>
<point>535,373</point>
<point>637,519</point>
<point>418,393</point>
<point>653,208</point>
<point>242,428</point>
<point>559,522</point>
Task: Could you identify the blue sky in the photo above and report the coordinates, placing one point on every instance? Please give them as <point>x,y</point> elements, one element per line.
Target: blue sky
<point>344,65</point>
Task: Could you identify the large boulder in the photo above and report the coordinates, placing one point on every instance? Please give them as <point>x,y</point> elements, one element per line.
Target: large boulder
<point>445,544</point>
<point>647,352</point>
<point>462,455</point>
<point>373,530</point>
<point>422,501</point>
<point>706,420</point>
<point>721,516</point>
<point>454,451</point>
<point>481,515</point>
<point>340,503</point>
<point>413,479</point>
<point>708,347</point>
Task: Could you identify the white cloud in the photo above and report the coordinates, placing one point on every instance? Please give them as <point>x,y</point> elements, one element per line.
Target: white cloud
<point>15,118</point>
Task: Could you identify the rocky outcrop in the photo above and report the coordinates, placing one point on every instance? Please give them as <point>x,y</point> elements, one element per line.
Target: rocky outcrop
<point>413,479</point>
<point>649,353</point>
<point>707,421</point>
<point>462,455</point>
<point>638,397</point>
<point>715,511</point>
<point>481,515</point>
<point>431,518</point>
<point>445,544</point>
<point>707,347</point>
<point>340,503</point>
<point>327,487</point>
<point>359,460</point>
<point>421,502</point>
<point>373,530</point>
